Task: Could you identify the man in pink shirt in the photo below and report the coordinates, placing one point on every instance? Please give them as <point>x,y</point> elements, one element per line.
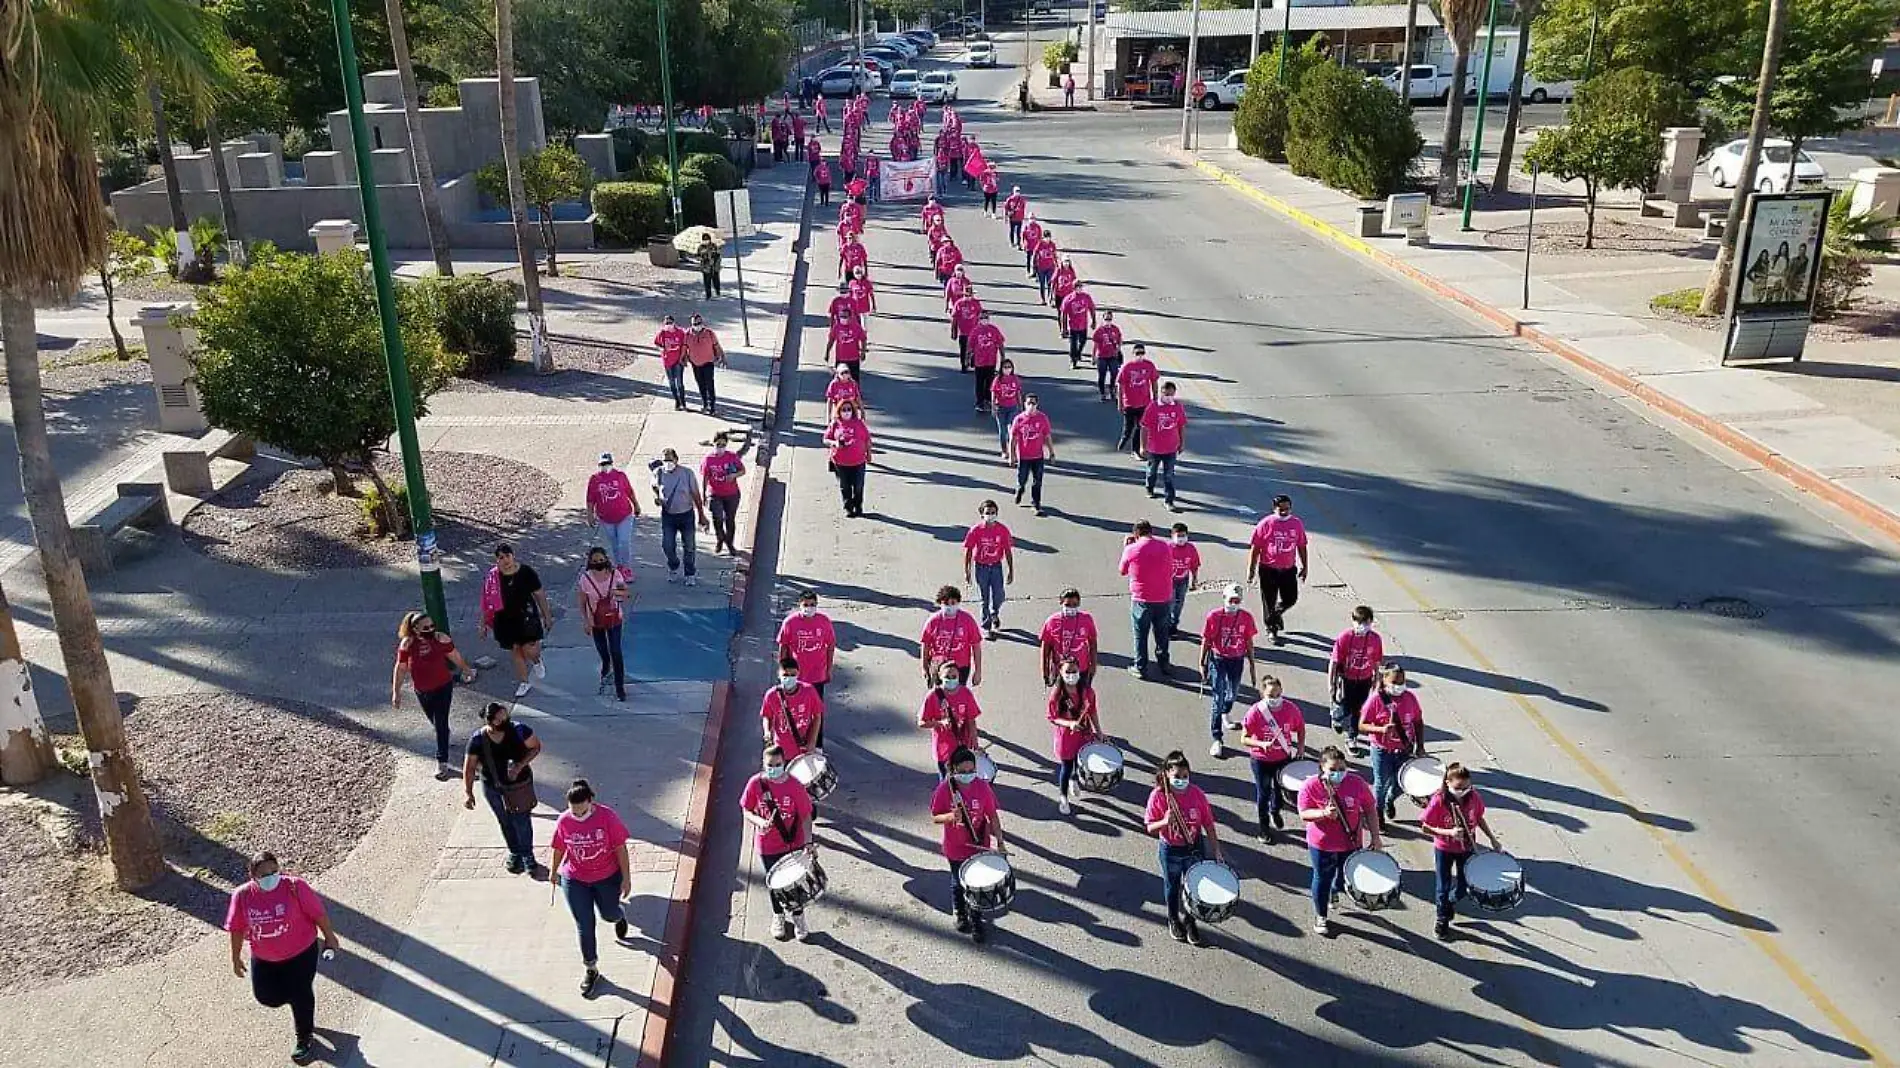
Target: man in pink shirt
<point>1069,632</point>
<point>843,309</point>
<point>1029,235</point>
<point>611,502</point>
<point>791,714</point>
<point>671,341</point>
<point>1031,445</point>
<point>1149,564</point>
<point>846,345</point>
<point>1043,259</point>
<point>1078,314</point>
<point>1135,382</point>
<point>1014,207</point>
<point>989,560</point>
<point>1338,809</point>
<point>1164,429</point>
<point>1278,555</point>
<point>986,352</point>
<point>948,256</point>
<point>990,186</point>
<point>1227,635</point>
<point>863,294</point>
<point>932,213</point>
<point>1108,356</point>
<point>1351,671</point>
<point>950,635</point>
<point>963,319</point>
<point>853,256</point>
<point>808,637</point>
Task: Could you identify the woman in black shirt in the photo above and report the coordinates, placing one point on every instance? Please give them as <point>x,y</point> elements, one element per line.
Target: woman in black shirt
<point>516,608</point>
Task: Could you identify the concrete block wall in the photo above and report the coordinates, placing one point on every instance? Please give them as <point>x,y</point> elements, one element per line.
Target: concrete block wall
<point>260,170</point>
<point>282,215</point>
<point>194,171</point>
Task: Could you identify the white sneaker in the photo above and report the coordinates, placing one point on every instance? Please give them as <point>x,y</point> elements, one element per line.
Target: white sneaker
<point>780,927</point>
<point>1062,806</point>
<point>540,670</point>
<point>692,580</point>
<point>1214,749</point>
<point>799,930</point>
<point>1320,926</point>
<point>522,689</point>
<point>672,576</point>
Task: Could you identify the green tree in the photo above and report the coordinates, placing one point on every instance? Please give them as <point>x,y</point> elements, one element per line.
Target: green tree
<point>1608,144</point>
<point>297,44</point>
<point>1350,133</point>
<point>60,62</point>
<point>1260,119</point>
<point>1507,141</point>
<point>418,141</point>
<point>127,259</point>
<point>291,352</point>
<point>1690,44</point>
<point>1461,19</point>
<point>552,175</point>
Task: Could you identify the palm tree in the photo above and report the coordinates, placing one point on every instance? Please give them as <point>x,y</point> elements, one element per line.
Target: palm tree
<point>227,207</point>
<point>418,145</point>
<point>168,163</point>
<point>517,193</point>
<point>1715,290</point>
<point>61,63</point>
<point>1461,19</point>
<point>1526,13</point>
<point>26,751</point>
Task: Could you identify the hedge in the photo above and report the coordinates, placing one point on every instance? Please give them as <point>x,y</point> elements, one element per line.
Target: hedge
<point>690,143</point>
<point>475,315</point>
<point>629,145</point>
<point>717,170</point>
<point>1350,133</point>
<point>631,212</point>
<point>696,201</point>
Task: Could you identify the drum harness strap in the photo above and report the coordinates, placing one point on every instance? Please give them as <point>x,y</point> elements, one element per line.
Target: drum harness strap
<point>1405,736</point>
<point>1086,716</point>
<point>1352,831</point>
<point>778,815</point>
<point>1339,680</point>
<point>1464,826</point>
<point>963,813</point>
<point>949,715</point>
<point>791,723</point>
<point>1175,821</point>
<point>1279,736</point>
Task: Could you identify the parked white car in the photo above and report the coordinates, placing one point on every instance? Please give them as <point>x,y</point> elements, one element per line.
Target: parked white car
<point>1771,174</point>
<point>1428,83</point>
<point>901,43</point>
<point>1225,93</point>
<point>982,54</point>
<point>938,87</point>
<point>840,80</point>
<point>904,84</point>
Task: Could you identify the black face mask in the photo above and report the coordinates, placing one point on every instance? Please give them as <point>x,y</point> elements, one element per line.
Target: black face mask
<point>425,631</point>
<point>597,565</point>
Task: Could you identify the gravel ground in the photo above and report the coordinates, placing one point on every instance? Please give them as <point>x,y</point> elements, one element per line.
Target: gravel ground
<point>91,364</point>
<point>1613,237</point>
<point>217,769</point>
<point>156,288</point>
<point>1868,319</point>
<point>573,360</point>
<point>288,519</point>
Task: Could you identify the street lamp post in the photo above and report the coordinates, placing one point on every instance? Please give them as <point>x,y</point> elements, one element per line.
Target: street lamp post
<point>1091,64</point>
<point>400,396</point>
<point>1187,80</point>
<point>666,100</point>
<point>1484,93</point>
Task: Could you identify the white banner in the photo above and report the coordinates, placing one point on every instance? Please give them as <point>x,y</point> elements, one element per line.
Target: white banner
<point>908,180</point>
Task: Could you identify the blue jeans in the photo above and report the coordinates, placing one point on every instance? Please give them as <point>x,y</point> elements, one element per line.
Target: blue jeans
<point>517,829</point>
<point>1329,876</point>
<point>1266,789</point>
<point>1149,618</point>
<point>1161,464</point>
<point>612,657</point>
<point>989,581</point>
<point>1223,680</point>
<point>1385,775</point>
<point>1077,340</point>
<point>1448,884</point>
<point>1029,474</point>
<point>583,900</point>
<point>1043,282</point>
<point>1175,861</point>
<point>1004,416</point>
<point>676,383</point>
<point>674,528</point>
<point>1015,233</point>
<point>1180,602</point>
<point>618,539</point>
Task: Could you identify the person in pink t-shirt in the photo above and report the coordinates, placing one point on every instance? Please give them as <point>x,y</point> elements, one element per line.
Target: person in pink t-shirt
<point>932,213</point>
<point>963,319</point>
<point>989,560</point>
<point>1063,283</point>
<point>1148,562</point>
<point>852,258</point>
<point>808,637</point>
<point>986,351</point>
<point>279,916</point>
<point>1076,721</point>
<point>949,711</point>
<point>1179,815</point>
<point>611,503</point>
<point>821,172</point>
<point>1032,444</point>
<point>1227,635</point>
<point>1108,356</point>
<point>1044,262</point>
<point>1392,721</point>
<point>671,341</point>
<point>849,439</point>
<point>1164,436</point>
<point>990,185</point>
<point>845,344</point>
<point>1078,318</point>
<point>1278,555</point>
<point>1069,634</point>
<point>1015,206</point>
<point>955,288</point>
<point>951,635</point>
<point>842,308</point>
<point>1274,734</point>
<point>1029,237</point>
<point>1006,389</point>
<point>1135,384</point>
<point>1351,671</point>
<point>965,807</point>
<point>863,295</point>
<point>1187,572</point>
<point>720,473</point>
<point>588,858</point>
<point>1338,809</point>
<point>778,808</point>
<point>791,714</point>
<point>948,256</point>
<point>842,388</point>
<point>1452,816</point>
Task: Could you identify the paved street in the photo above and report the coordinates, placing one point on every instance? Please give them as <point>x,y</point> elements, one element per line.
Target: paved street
<point>1637,642</point>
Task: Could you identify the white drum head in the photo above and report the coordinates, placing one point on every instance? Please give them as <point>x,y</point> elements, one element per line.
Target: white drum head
<point>1494,872</point>
<point>1295,774</point>
<point>1421,776</point>
<point>1373,872</point>
<point>1100,758</point>
<point>807,767</point>
<point>787,873</point>
<point>985,767</point>
<point>1213,883</point>
<point>985,871</point>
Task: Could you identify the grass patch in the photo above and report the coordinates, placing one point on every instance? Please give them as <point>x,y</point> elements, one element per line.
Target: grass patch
<point>1680,301</point>
<point>226,826</point>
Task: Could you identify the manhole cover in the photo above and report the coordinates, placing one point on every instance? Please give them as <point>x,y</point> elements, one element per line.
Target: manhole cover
<point>1733,608</point>
<point>560,1044</point>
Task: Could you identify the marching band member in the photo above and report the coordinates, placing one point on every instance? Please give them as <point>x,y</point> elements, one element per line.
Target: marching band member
<point>1395,725</point>
<point>1077,721</point>
<point>1180,817</point>
<point>779,810</point>
<point>965,807</point>
<point>1337,807</point>
<point>1275,736</point>
<point>1226,643</point>
<point>1450,817</point>
<point>1351,672</point>
<point>949,710</point>
<point>951,634</point>
<point>808,637</point>
<point>791,713</point>
<point>1069,633</point>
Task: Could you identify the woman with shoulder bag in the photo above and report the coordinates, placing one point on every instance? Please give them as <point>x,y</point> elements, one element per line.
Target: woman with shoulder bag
<point>500,753</point>
<point>601,592</point>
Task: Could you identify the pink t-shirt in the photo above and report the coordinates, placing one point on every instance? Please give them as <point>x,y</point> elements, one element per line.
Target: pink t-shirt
<point>1071,636</point>
<point>841,390</point>
<point>1045,258</point>
<point>979,801</point>
<point>810,639</point>
<point>591,846</point>
<point>720,471</point>
<point>1355,806</point>
<point>986,346</point>
<point>1187,558</point>
<point>1077,309</point>
<point>824,172</point>
<point>1108,341</point>
<point>1149,565</point>
<point>1438,814</point>
<point>1279,540</point>
<point>1068,741</point>
<point>1228,634</point>
<point>610,495</point>
<point>848,342</point>
<point>1029,432</point>
<point>850,442</point>
<point>1260,723</point>
<point>1007,391</point>
<point>787,718</point>
<point>965,313</point>
<point>989,181</point>
<point>860,294</point>
<point>988,543</point>
<point>1197,816</point>
<point>1403,710</point>
<point>1358,655</point>
<point>1162,426</point>
<point>1064,279</point>
<point>790,801</point>
<point>671,341</point>
<point>956,287</point>
<point>1032,233</point>
<point>1136,381</point>
<point>843,310</point>
<point>948,256</point>
<point>951,639</point>
<point>854,257</point>
<point>280,923</point>
<point>952,717</point>
<point>932,215</point>
<point>1014,206</point>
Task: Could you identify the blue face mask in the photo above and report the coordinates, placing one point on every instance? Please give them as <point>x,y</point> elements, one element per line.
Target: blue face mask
<point>964,778</point>
<point>267,883</point>
<point>1178,783</point>
<point>950,685</point>
<point>1336,777</point>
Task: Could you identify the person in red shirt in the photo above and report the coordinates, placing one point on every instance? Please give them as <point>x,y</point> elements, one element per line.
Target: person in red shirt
<point>989,560</point>
<point>613,506</point>
<point>1032,444</point>
<point>951,636</point>
<point>1392,721</point>
<point>989,184</point>
<point>1227,635</point>
<point>932,213</point>
<point>719,473</point>
<point>600,594</point>
<point>953,289</point>
<point>1076,720</point>
<point>1274,735</point>
<point>1014,207</point>
<point>850,442</point>
<point>706,355</point>
<point>589,865</point>
<point>808,637</point>
<point>778,808</point>
<point>965,807</point>
<point>1030,235</point>
<point>963,319</point>
<point>1108,356</point>
<point>1338,809</point>
<point>862,293</point>
<point>1164,430</point>
<point>671,341</point>
<point>791,714</point>
<point>1278,554</point>
<point>1351,670</point>
<point>1078,316</point>
<point>948,256</point>
<point>822,170</point>
<point>1179,814</point>
<point>855,189</point>
<point>1044,261</point>
<point>842,388</point>
<point>1149,564</point>
<point>1063,282</point>
<point>845,344</point>
<point>1069,634</point>
<point>1451,817</point>
<point>425,656</point>
<point>1187,572</point>
<point>1135,383</point>
<point>851,256</point>
<point>281,917</point>
<point>843,309</point>
<point>986,352</point>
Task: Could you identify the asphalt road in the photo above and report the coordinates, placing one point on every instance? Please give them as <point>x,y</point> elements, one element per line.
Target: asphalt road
<point>1667,668</point>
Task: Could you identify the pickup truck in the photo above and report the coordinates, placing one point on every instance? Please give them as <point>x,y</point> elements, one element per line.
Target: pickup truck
<point>1225,93</point>
<point>1428,83</point>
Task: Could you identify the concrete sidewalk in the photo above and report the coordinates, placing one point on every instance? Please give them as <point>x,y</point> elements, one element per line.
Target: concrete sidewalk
<point>1830,425</point>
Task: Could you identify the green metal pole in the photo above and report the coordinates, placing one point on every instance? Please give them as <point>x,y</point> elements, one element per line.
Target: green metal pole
<point>1484,96</point>
<point>398,364</point>
<point>1286,32</point>
<point>666,98</point>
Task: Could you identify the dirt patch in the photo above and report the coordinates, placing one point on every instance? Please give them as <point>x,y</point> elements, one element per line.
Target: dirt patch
<point>1614,237</point>
<point>574,362</point>
<point>1868,319</point>
<point>91,364</point>
<point>290,519</point>
<point>204,758</point>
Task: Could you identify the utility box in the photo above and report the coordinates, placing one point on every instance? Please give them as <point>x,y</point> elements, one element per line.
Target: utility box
<point>1412,213</point>
<point>168,346</point>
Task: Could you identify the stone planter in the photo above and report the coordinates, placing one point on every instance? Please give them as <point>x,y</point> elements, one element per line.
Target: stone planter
<point>661,253</point>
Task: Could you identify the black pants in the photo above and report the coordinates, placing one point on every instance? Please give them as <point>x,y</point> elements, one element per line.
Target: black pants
<point>1279,591</point>
<point>963,352</point>
<point>725,515</point>
<point>711,279</point>
<point>984,376</point>
<point>612,658</point>
<point>989,202</point>
<point>435,705</point>
<point>766,860</point>
<point>1105,371</point>
<point>1345,714</point>
<point>1077,339</point>
<point>851,487</point>
<point>708,391</point>
<point>853,366</point>
<point>1131,428</point>
<point>289,982</point>
<point>1029,474</point>
<point>1015,233</point>
<point>824,194</point>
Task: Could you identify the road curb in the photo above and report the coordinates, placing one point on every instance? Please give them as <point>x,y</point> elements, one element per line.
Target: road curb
<point>1799,475</point>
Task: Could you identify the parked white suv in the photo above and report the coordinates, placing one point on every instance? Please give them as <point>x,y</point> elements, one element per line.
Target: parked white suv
<point>1225,93</point>
<point>1771,174</point>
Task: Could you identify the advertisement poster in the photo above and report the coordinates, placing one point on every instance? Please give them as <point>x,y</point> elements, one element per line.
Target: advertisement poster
<point>904,179</point>
<point>1780,255</point>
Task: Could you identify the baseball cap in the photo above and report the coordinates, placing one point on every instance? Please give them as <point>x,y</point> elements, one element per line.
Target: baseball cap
<point>606,459</point>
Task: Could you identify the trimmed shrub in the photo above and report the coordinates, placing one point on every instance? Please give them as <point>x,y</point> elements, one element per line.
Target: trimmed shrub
<point>631,212</point>
<point>1260,120</point>
<point>717,170</point>
<point>1350,133</point>
<point>692,143</point>
<point>476,318</point>
<point>696,202</point>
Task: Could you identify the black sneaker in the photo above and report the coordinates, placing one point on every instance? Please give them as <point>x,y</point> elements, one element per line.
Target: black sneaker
<point>620,928</point>
<point>516,866</point>
<point>1443,930</point>
<point>300,1053</point>
<point>963,925</point>
<point>1279,820</point>
<point>1194,933</point>
<point>978,931</point>
<point>1177,931</point>
<point>589,980</point>
<point>1391,810</point>
<point>1019,496</point>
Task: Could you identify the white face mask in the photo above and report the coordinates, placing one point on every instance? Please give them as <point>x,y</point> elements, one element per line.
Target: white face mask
<point>807,611</point>
<point>1180,539</point>
<point>1459,791</point>
<point>788,682</point>
<point>1233,606</point>
<point>989,517</point>
<point>1361,628</point>
<point>1071,610</point>
<point>950,685</point>
<point>1029,407</point>
<point>1394,691</point>
<point>1072,677</point>
<point>669,466</point>
<point>948,611</point>
<point>1274,702</point>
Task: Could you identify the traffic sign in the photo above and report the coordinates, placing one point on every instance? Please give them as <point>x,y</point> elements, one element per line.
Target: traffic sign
<point>1199,89</point>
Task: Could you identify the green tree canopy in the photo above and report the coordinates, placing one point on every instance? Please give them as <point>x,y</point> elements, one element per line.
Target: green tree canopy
<point>1613,139</point>
<point>1689,42</point>
<point>1826,68</point>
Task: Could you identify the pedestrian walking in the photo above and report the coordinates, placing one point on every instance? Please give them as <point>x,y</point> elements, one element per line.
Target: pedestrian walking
<point>1227,635</point>
<point>845,344</point>
<point>515,608</point>
<point>1179,816</point>
<point>1076,720</point>
<point>862,293</point>
<point>779,810</point>
<point>989,560</point>
<point>798,137</point>
<point>1164,435</point>
<point>707,255</point>
<point>671,341</point>
<point>1069,634</point>
<point>1015,205</point>
<point>985,345</point>
<point>720,473</point>
<point>951,636</point>
<point>1149,565</point>
<point>281,918</point>
<point>707,356</point>
<point>1338,810</point>
<point>808,637</point>
<point>1277,553</point>
<point>822,172</point>
<point>587,856</point>
<point>1351,672</point>
<point>500,752</point>
<point>1187,572</point>
<point>792,714</point>
<point>1135,384</point>
<point>425,656</point>
<point>613,506</point>
<point>1078,317</point>
<point>677,493</point>
<point>963,319</point>
<point>842,387</point>
<point>601,594</point>
<point>1061,284</point>
<point>823,113</point>
<point>1068,90</point>
<point>850,442</point>
<point>965,807</point>
<point>1006,398</point>
<point>852,256</point>
<point>1032,444</point>
<point>1044,262</point>
<point>1274,734</point>
<point>1108,356</point>
<point>989,184</point>
<point>1394,724</point>
<point>1029,236</point>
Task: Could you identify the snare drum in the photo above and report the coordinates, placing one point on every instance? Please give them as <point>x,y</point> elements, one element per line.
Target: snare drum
<point>1372,878</point>
<point>796,880</point>
<point>987,881</point>
<point>985,767</point>
<point>1421,777</point>
<point>1211,890</point>
<point>814,772</point>
<point>1295,775</point>
<point>1496,880</point>
<point>1098,767</point>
